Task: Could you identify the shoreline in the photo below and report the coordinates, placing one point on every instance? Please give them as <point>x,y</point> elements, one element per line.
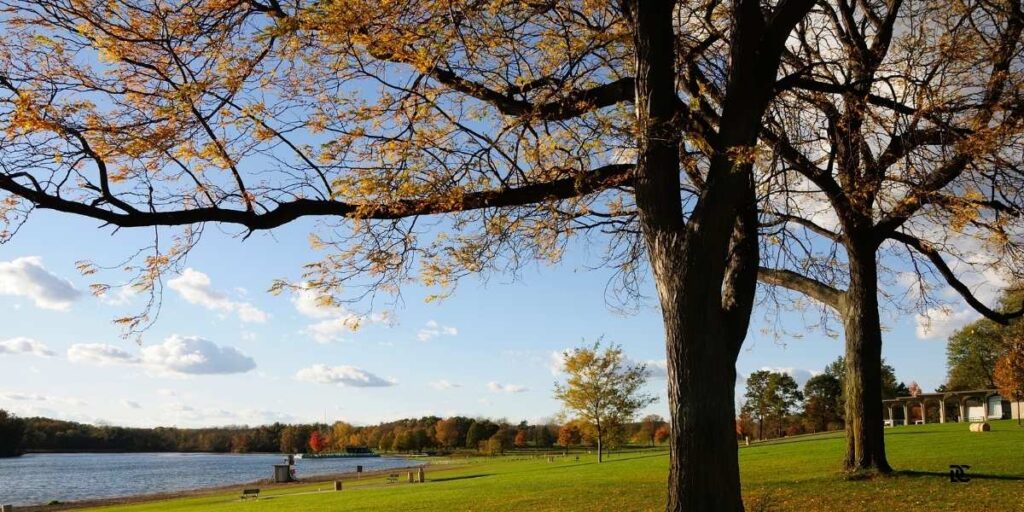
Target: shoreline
<point>263,484</point>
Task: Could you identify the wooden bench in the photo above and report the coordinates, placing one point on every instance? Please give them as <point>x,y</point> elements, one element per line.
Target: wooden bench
<point>393,478</point>
<point>250,493</point>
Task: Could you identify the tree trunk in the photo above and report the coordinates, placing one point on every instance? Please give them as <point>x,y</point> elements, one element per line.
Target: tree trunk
<point>865,440</point>
<point>705,268</point>
<point>689,267</point>
<point>600,450</point>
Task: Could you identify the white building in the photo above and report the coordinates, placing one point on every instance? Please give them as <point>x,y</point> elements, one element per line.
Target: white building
<point>959,406</point>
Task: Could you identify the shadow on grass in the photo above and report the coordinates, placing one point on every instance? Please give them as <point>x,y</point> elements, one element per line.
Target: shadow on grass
<point>800,439</point>
<point>463,477</point>
<point>617,458</point>
<point>972,476</point>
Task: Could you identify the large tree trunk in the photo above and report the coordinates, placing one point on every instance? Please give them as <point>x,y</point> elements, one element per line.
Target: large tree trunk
<point>865,440</point>
<point>705,268</point>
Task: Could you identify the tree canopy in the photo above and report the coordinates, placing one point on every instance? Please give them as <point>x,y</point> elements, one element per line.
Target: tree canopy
<point>12,430</point>
<point>602,389</point>
<point>823,402</point>
<point>770,395</point>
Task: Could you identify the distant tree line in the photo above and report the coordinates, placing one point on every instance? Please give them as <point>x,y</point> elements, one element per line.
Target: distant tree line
<point>426,434</point>
<point>775,406</point>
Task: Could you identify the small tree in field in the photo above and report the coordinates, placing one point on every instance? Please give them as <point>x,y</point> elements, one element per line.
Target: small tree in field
<point>1009,374</point>
<point>603,389</point>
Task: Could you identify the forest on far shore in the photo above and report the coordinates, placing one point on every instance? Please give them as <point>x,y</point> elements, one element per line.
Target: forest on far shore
<point>429,433</point>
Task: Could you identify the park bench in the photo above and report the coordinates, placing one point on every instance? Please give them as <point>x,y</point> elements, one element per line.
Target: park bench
<point>250,493</point>
<point>393,478</point>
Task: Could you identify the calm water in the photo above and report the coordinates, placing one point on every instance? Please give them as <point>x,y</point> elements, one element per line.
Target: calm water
<point>35,479</point>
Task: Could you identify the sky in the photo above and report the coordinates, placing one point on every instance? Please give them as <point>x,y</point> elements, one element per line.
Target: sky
<point>224,351</point>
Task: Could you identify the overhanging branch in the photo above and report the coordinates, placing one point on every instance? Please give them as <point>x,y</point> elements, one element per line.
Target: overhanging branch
<point>947,273</point>
<point>586,183</point>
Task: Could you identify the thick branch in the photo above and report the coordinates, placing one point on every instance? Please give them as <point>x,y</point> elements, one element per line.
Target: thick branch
<point>576,103</point>
<point>587,183</point>
<point>807,84</point>
<point>947,273</point>
<point>812,288</point>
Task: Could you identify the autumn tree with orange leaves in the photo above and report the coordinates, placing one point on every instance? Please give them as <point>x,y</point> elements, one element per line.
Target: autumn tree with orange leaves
<point>1009,374</point>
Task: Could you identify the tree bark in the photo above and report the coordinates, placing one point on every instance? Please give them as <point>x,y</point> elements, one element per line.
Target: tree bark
<point>865,440</point>
<point>705,268</point>
<point>689,267</point>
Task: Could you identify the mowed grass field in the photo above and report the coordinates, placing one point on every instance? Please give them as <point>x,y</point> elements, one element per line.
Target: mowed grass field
<point>799,474</point>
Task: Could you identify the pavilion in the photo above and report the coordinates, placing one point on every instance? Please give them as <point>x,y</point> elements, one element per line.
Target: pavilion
<point>958,406</point>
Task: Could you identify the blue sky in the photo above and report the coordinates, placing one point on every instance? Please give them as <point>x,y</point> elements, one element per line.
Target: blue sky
<point>224,351</point>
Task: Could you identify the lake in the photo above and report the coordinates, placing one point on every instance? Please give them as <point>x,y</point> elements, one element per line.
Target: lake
<point>41,478</point>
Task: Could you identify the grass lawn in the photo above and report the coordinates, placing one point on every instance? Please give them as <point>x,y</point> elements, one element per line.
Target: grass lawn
<point>801,474</point>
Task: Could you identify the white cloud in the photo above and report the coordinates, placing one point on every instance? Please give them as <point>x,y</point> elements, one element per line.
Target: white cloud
<point>15,396</point>
<point>334,320</point>
<point>177,355</point>
<point>435,330</point>
<point>99,354</point>
<point>505,388</point>
<point>24,346</point>
<point>123,296</point>
<point>344,375</point>
<point>444,384</point>
<point>307,302</point>
<point>181,414</point>
<point>26,277</point>
<point>800,375</point>
<point>556,363</point>
<point>331,330</point>
<point>191,355</point>
<point>194,286</point>
<point>23,397</point>
<point>942,322</point>
<point>657,368</point>
<point>131,404</point>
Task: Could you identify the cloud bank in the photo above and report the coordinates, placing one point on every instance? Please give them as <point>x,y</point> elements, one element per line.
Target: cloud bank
<point>196,288</point>
<point>434,330</point>
<point>343,375</point>
<point>177,355</point>
<point>497,387</point>
<point>23,345</point>
<point>27,277</point>
<point>334,320</point>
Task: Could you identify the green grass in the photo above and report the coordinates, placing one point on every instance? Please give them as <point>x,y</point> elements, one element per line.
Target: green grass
<point>790,475</point>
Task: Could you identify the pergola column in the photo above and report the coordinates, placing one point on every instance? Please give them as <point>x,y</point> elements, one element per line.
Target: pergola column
<point>906,414</point>
<point>942,411</point>
<point>984,407</point>
<point>924,411</point>
<point>962,418</point>
<point>892,420</point>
